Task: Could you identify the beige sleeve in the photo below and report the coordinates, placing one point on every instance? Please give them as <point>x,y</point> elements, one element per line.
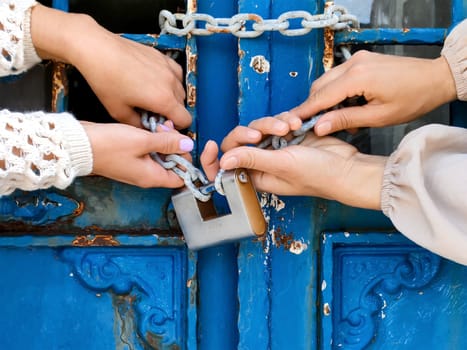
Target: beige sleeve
<point>455,52</point>
<point>425,189</point>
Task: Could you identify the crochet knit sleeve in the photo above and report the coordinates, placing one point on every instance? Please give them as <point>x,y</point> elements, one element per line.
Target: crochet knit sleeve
<point>17,53</point>
<point>39,150</point>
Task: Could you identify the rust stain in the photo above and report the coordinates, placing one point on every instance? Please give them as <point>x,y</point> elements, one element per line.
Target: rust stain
<point>260,64</point>
<point>78,211</point>
<point>328,55</point>
<point>283,239</point>
<point>405,30</point>
<point>191,95</point>
<point>191,61</point>
<point>326,309</point>
<point>95,241</point>
<point>59,83</point>
<point>192,135</point>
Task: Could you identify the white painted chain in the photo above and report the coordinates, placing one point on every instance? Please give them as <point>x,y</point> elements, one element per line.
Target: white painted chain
<point>181,24</point>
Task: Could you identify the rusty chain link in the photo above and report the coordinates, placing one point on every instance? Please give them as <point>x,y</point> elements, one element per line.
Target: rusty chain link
<point>335,17</point>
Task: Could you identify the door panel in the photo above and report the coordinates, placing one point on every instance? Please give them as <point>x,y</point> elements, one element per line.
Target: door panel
<point>103,265</point>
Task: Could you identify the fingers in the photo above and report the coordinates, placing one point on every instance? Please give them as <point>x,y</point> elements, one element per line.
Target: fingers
<point>269,161</point>
<point>174,111</point>
<point>239,136</point>
<point>349,118</point>
<point>209,160</point>
<point>280,125</point>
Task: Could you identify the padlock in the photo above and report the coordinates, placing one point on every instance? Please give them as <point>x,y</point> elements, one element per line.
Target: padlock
<point>200,223</point>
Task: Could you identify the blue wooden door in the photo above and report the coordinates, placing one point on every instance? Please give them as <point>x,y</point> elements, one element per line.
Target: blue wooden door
<point>104,266</point>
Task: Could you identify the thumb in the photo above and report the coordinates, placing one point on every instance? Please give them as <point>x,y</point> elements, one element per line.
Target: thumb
<point>344,119</point>
<point>167,143</point>
<point>268,161</point>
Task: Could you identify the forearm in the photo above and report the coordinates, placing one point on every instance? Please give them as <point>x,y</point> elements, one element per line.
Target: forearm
<point>362,187</point>
<point>59,35</point>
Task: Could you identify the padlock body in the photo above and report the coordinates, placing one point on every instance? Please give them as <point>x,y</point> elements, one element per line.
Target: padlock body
<point>201,225</point>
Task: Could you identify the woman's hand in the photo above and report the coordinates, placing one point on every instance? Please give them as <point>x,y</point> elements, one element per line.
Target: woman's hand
<point>320,166</point>
<point>121,152</point>
<point>397,89</point>
<point>124,75</point>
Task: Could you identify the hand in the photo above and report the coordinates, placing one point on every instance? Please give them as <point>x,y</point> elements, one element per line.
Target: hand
<point>397,89</point>
<point>123,74</point>
<point>121,152</point>
<point>320,166</point>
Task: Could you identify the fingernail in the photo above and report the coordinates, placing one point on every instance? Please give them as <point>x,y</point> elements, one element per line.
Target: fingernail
<point>324,128</point>
<point>164,127</point>
<point>186,145</point>
<point>171,123</point>
<point>230,163</point>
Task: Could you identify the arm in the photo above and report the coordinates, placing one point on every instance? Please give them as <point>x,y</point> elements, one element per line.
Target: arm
<point>39,150</point>
<point>325,167</point>
<point>421,187</point>
<point>123,74</point>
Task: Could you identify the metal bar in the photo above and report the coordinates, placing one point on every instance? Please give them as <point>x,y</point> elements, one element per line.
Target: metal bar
<point>61,5</point>
<point>253,260</point>
<point>162,42</point>
<point>459,11</point>
<point>216,106</point>
<point>297,62</point>
<point>393,36</point>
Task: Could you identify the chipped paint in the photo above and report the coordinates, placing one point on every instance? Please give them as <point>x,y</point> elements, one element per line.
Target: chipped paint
<point>298,247</point>
<point>326,309</point>
<point>328,54</point>
<point>293,74</point>
<point>323,285</point>
<point>260,64</point>
<point>276,202</point>
<point>346,234</point>
<point>94,241</point>
<point>191,95</point>
<point>59,85</point>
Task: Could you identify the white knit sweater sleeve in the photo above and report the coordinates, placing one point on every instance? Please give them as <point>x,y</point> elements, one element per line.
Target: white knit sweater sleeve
<point>39,150</point>
<point>17,53</point>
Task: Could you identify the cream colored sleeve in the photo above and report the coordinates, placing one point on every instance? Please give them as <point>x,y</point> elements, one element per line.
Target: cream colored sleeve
<point>39,150</point>
<point>455,52</point>
<point>425,189</point>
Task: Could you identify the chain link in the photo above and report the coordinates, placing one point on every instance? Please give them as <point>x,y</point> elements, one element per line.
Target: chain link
<point>335,17</point>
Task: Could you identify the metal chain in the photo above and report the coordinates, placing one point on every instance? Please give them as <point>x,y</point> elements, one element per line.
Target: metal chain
<point>191,174</point>
<point>335,17</point>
